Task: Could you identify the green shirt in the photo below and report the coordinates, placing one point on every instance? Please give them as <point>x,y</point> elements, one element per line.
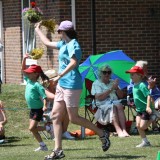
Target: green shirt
<point>140,93</point>
<point>34,94</point>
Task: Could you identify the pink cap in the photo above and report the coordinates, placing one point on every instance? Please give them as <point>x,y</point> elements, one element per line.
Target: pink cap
<point>136,69</point>
<point>33,69</point>
<point>65,26</point>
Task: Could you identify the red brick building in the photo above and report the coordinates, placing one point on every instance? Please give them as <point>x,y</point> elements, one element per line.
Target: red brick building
<point>102,25</point>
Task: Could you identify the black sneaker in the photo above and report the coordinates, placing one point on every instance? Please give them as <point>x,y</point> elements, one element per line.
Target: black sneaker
<point>105,141</point>
<point>55,155</point>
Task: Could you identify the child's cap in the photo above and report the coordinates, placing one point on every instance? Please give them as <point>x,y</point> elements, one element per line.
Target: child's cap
<point>51,73</point>
<point>136,69</point>
<point>33,69</point>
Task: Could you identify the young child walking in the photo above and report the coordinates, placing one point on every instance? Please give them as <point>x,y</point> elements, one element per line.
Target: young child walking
<point>3,121</point>
<point>36,100</point>
<point>142,101</point>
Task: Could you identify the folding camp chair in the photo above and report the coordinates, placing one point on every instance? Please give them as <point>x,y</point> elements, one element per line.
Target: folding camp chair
<point>89,111</point>
<point>131,108</point>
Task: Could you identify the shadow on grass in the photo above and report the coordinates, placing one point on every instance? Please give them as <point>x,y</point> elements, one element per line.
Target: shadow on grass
<point>84,139</point>
<point>112,156</point>
<point>6,144</point>
<point>9,140</point>
<point>81,139</point>
<point>15,139</point>
<point>78,149</point>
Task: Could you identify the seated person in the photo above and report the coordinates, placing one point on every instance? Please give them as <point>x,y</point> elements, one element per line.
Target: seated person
<point>50,87</point>
<point>155,92</point>
<point>155,95</point>
<point>106,93</point>
<point>3,121</point>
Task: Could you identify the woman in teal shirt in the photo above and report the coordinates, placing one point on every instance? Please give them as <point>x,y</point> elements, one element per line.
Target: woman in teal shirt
<point>69,86</point>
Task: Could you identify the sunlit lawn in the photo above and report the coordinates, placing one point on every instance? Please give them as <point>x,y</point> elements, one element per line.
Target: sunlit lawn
<point>21,143</point>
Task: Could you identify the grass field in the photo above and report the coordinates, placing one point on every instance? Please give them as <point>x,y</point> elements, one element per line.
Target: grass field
<point>21,143</point>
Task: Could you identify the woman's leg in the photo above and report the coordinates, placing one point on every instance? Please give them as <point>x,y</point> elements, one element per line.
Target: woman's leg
<point>65,123</point>
<point>57,115</point>
<point>116,123</point>
<point>122,119</point>
<point>76,119</point>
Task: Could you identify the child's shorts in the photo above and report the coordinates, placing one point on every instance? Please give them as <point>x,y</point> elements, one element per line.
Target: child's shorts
<point>147,116</point>
<point>143,115</point>
<point>36,114</point>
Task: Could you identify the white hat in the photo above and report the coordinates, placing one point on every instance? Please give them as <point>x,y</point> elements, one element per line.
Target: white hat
<point>51,73</point>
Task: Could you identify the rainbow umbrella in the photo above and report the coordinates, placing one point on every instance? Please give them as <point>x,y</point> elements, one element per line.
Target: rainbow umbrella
<point>117,60</point>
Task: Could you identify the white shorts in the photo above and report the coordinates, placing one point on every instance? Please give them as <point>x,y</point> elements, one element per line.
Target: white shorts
<point>70,96</point>
<point>156,103</point>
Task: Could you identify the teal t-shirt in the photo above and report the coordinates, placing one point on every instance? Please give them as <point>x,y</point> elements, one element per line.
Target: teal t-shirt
<point>34,94</point>
<point>73,79</point>
<point>140,93</point>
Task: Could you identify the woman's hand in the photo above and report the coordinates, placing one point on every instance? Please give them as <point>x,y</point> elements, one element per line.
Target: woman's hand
<point>55,79</point>
<point>115,84</point>
<point>37,25</point>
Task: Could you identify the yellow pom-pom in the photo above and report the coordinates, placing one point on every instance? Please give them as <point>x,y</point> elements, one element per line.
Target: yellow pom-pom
<point>37,53</point>
<point>49,24</point>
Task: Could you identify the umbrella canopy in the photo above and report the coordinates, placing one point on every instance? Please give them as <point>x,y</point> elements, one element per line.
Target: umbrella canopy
<point>117,60</point>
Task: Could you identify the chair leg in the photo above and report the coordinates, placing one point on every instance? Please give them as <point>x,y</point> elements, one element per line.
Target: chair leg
<point>47,138</point>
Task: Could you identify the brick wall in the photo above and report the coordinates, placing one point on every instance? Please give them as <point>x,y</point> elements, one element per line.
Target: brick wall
<point>12,41</point>
<point>129,25</point>
<point>13,36</point>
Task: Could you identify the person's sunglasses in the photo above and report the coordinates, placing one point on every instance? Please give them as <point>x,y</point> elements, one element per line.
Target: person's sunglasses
<point>106,72</point>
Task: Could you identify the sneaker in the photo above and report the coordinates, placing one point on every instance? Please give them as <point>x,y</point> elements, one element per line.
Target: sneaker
<point>41,148</point>
<point>2,141</point>
<point>67,135</point>
<point>105,141</point>
<point>55,155</point>
<point>144,144</point>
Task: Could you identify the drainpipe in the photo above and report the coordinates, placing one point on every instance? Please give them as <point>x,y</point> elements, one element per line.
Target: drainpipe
<point>74,23</point>
<point>73,13</point>
<point>1,46</point>
<point>93,27</point>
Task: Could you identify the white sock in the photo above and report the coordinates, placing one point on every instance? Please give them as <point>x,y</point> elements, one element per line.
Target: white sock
<point>42,144</point>
<point>145,140</point>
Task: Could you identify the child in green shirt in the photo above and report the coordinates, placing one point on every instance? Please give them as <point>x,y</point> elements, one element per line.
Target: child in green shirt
<point>142,101</point>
